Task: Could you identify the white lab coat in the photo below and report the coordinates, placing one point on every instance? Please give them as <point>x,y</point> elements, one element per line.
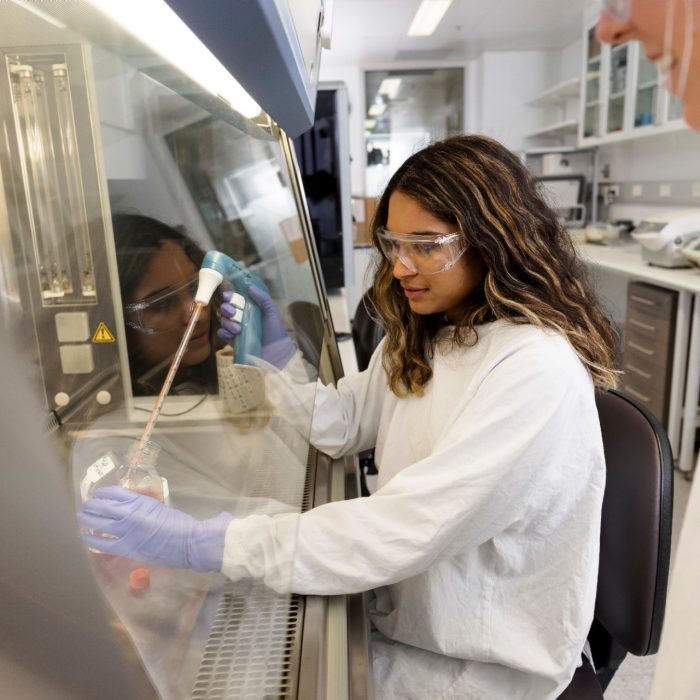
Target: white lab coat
<point>483,535</point>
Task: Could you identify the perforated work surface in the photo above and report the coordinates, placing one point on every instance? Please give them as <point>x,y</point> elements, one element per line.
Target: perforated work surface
<point>250,647</point>
<point>255,639</point>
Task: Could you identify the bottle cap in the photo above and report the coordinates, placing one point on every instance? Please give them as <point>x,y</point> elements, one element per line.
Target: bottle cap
<point>139,580</point>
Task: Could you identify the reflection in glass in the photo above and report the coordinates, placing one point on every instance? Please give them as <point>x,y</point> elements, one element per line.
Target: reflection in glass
<point>617,88</point>
<point>591,96</point>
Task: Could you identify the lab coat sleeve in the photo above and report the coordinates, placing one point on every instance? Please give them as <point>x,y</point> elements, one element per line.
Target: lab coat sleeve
<point>346,417</point>
<point>489,468</point>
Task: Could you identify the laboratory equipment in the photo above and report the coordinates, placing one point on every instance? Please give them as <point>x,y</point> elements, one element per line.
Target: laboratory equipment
<point>692,252</point>
<point>100,119</point>
<point>249,344</point>
<point>664,236</point>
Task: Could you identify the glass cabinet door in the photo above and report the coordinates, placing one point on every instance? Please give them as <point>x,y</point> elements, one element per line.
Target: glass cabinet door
<point>591,86</point>
<point>646,107</point>
<point>675,108</point>
<point>617,88</point>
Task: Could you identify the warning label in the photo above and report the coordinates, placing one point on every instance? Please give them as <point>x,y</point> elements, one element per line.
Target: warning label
<point>102,335</point>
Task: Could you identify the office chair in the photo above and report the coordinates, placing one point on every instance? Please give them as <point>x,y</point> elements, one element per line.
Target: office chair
<point>366,332</point>
<point>635,542</point>
<point>308,329</point>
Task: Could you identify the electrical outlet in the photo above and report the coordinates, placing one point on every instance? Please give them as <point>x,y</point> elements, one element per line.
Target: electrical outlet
<point>696,189</point>
<point>636,190</point>
<point>665,190</point>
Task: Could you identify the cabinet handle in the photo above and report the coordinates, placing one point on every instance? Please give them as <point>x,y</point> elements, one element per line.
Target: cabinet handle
<point>639,324</point>
<point>646,351</point>
<point>637,395</point>
<point>642,300</point>
<point>638,371</point>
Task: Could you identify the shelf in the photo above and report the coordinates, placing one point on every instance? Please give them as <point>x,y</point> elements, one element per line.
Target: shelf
<point>557,93</point>
<point>648,85</point>
<point>559,129</point>
<point>616,95</point>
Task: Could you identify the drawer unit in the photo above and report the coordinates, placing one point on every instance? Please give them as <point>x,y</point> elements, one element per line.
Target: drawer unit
<point>648,346</point>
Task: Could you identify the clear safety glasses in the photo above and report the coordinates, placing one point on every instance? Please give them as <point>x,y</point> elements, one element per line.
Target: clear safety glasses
<point>619,9</point>
<point>422,253</point>
<point>162,312</point>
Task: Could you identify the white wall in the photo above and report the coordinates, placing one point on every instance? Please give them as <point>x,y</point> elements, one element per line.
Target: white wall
<point>509,80</point>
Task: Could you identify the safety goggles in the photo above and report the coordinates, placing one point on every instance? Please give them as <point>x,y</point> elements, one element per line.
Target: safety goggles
<point>162,312</point>
<point>619,9</point>
<point>422,253</point>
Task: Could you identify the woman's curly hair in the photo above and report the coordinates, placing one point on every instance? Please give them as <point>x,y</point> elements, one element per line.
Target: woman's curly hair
<point>532,272</point>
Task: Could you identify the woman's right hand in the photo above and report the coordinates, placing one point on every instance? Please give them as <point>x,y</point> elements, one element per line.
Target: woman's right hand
<point>277,346</point>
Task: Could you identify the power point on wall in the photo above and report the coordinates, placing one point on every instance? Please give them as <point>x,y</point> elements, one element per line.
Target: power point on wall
<point>636,190</point>
<point>664,190</point>
<point>696,189</point>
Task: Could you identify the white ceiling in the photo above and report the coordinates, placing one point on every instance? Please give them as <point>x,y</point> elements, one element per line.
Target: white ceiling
<point>369,32</point>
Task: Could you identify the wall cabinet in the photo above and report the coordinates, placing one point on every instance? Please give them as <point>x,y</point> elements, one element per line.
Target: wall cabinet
<point>621,93</point>
<point>556,98</point>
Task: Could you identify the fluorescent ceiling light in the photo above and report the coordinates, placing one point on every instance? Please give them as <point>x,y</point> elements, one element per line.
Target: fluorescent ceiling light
<point>390,87</point>
<point>40,13</point>
<point>428,17</point>
<point>370,123</point>
<point>157,26</point>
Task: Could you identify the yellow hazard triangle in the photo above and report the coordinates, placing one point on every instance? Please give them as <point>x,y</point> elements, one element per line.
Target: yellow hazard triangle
<point>102,334</point>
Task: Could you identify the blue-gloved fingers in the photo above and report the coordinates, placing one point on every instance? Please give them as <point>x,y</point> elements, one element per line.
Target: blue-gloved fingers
<point>106,545</point>
<point>232,327</point>
<point>261,298</point>
<point>231,312</point>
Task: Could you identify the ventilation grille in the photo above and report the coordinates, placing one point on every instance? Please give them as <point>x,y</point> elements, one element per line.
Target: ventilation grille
<point>255,640</point>
<point>252,650</point>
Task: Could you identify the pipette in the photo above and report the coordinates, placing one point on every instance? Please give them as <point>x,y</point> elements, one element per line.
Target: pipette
<point>209,280</point>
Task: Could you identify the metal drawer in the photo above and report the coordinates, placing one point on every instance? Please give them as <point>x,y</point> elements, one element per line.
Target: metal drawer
<point>654,397</point>
<point>656,351</point>
<point>654,329</point>
<point>651,300</point>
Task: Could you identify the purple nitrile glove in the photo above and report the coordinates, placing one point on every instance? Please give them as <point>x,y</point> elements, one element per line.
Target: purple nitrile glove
<point>143,528</point>
<point>277,346</point>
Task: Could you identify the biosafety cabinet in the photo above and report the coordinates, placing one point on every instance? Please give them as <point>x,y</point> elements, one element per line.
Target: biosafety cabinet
<point>113,115</point>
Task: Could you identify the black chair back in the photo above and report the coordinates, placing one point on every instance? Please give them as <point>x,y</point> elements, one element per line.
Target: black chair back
<point>635,542</point>
<point>635,546</point>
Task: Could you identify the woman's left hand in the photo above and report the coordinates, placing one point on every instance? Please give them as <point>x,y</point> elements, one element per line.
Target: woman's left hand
<point>129,524</point>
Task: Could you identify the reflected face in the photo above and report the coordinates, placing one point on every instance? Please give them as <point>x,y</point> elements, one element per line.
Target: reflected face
<point>445,292</point>
<point>170,269</point>
<point>653,23</point>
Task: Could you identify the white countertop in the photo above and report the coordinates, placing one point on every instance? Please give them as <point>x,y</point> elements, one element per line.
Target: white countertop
<point>627,260</point>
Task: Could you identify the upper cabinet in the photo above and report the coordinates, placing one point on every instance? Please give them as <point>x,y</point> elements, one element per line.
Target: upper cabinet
<point>621,93</point>
<point>556,101</point>
<point>590,124</point>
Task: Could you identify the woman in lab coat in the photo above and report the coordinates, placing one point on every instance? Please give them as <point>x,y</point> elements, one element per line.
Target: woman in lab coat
<point>669,31</point>
<point>481,541</point>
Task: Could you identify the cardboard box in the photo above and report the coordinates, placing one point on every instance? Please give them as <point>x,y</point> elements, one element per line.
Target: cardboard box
<point>363,210</point>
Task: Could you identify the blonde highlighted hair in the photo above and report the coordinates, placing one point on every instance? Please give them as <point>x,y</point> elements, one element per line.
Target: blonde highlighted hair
<point>532,272</point>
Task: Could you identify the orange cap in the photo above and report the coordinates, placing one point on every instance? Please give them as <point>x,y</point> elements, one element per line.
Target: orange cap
<point>139,579</point>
